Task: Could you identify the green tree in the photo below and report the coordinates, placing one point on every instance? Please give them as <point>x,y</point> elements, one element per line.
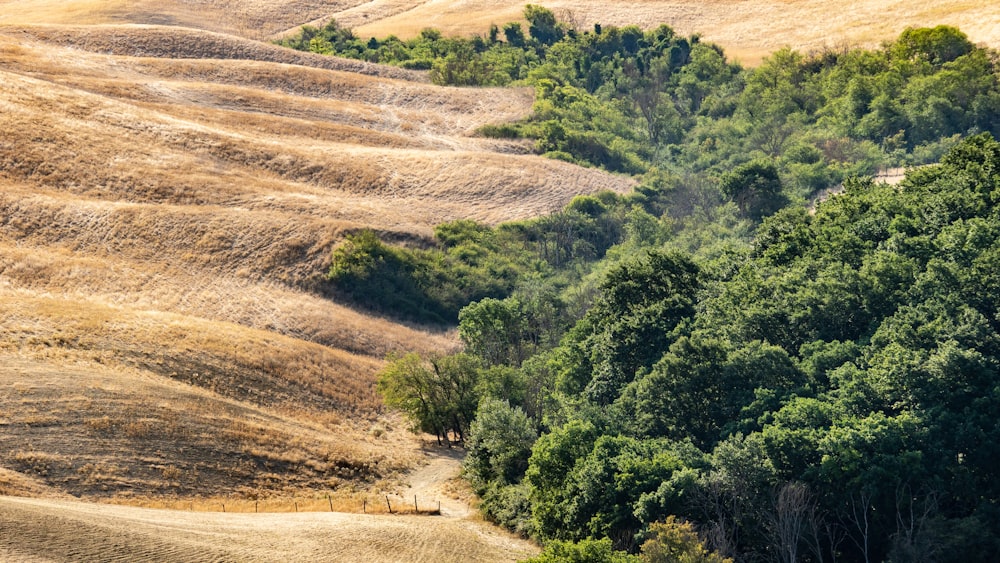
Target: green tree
<point>542,25</point>
<point>439,395</point>
<point>493,329</point>
<point>755,188</point>
<point>642,300</point>
<point>584,551</point>
<point>937,46</point>
<point>514,35</point>
<point>499,445</point>
<point>407,384</point>
<point>552,458</point>
<point>684,395</point>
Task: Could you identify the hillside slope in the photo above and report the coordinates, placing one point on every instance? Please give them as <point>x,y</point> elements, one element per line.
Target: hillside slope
<point>168,202</point>
<point>170,192</point>
<point>747,29</point>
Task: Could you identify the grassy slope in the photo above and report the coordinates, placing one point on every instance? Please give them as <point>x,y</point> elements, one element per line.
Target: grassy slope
<point>169,198</point>
<point>747,29</point>
<point>153,172</point>
<point>42,530</point>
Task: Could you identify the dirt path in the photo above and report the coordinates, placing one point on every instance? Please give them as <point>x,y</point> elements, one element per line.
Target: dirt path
<point>439,480</point>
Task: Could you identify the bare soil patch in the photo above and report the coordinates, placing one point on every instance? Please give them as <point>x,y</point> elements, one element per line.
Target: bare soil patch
<point>437,478</point>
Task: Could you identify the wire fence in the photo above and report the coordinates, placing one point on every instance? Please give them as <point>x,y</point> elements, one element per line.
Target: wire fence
<point>381,504</point>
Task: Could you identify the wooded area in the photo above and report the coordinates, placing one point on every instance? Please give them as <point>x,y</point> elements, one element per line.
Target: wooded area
<point>798,384</point>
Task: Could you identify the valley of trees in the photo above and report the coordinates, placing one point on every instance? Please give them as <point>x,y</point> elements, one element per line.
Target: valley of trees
<point>711,367</point>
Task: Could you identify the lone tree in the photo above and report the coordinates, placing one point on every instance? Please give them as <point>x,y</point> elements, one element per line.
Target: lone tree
<point>438,395</point>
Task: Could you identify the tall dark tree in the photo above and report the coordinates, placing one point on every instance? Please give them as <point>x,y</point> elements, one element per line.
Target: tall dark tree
<point>755,187</point>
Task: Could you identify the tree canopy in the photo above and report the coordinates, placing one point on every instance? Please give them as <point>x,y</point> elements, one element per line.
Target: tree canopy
<point>711,354</point>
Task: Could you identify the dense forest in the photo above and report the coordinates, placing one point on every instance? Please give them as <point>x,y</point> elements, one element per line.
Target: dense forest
<point>718,365</point>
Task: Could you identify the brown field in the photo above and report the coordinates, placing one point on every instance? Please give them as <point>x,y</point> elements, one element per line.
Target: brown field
<point>170,192</point>
<point>37,530</point>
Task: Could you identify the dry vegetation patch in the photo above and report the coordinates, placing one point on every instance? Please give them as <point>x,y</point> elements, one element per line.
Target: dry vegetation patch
<point>169,197</point>
<point>179,43</point>
<point>94,426</point>
<point>748,29</point>
<point>170,191</point>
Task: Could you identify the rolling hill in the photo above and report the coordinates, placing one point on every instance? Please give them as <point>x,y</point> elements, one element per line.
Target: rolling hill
<point>170,199</point>
<point>170,190</point>
<point>747,29</point>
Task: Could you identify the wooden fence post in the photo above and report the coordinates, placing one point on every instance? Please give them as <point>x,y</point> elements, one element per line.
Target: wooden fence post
<point>330,500</point>
<point>415,509</point>
<point>387,503</point>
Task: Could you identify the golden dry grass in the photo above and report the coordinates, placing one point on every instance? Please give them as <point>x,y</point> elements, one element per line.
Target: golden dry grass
<point>168,202</point>
<point>248,18</point>
<point>92,424</point>
<point>170,191</point>
<point>58,530</point>
<point>748,29</point>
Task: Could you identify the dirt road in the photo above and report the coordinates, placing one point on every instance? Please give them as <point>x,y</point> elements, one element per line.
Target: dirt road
<point>438,481</point>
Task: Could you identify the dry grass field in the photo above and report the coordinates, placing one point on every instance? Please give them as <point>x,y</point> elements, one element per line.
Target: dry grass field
<point>170,190</point>
<point>41,530</point>
<point>168,202</point>
<point>747,29</point>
